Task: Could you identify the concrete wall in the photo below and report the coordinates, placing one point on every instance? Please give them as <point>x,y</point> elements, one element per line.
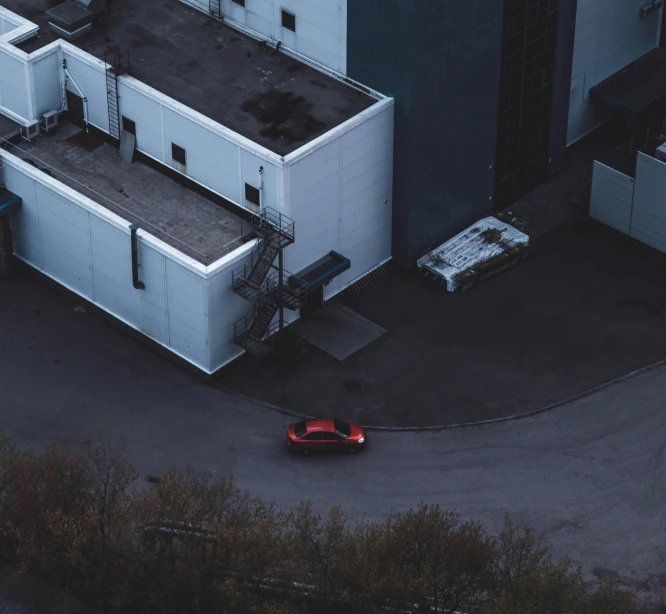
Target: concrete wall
<point>609,36</point>
<point>339,193</point>
<point>321,26</point>
<point>184,307</point>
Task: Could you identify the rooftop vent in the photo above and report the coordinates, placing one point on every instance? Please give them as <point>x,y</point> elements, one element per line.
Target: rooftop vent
<point>74,18</point>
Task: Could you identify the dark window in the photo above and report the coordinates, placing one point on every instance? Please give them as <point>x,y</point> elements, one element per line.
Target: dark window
<point>330,436</point>
<point>252,194</point>
<point>288,20</point>
<point>129,126</point>
<point>342,427</point>
<point>178,153</point>
<point>300,429</point>
<point>313,437</point>
<point>239,2</point>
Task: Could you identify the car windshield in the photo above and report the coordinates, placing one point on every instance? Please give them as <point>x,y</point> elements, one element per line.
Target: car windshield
<point>342,427</point>
<point>300,428</point>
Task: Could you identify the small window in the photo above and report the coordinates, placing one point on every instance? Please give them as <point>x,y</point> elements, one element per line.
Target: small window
<point>300,429</point>
<point>178,153</point>
<point>313,437</point>
<point>288,20</point>
<point>239,2</point>
<point>252,194</point>
<point>129,125</point>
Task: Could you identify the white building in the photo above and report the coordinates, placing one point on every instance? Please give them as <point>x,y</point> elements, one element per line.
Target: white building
<point>609,36</point>
<point>266,136</point>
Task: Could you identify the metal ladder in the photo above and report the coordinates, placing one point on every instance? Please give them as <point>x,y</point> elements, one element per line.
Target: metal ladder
<point>116,64</point>
<point>215,9</point>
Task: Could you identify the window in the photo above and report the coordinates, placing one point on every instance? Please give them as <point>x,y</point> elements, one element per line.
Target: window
<point>129,126</point>
<point>342,427</point>
<point>252,194</point>
<point>300,428</point>
<point>239,2</point>
<point>178,153</point>
<point>288,20</point>
<point>313,437</point>
<point>330,436</point>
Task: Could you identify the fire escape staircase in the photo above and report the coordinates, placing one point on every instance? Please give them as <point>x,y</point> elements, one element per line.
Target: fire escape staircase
<point>263,284</point>
<point>117,64</point>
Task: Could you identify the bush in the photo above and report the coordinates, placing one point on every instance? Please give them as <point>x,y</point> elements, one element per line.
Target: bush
<point>192,542</point>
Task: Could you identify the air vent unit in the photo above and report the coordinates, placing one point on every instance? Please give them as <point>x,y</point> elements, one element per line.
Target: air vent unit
<point>49,120</point>
<point>30,131</point>
<point>660,152</point>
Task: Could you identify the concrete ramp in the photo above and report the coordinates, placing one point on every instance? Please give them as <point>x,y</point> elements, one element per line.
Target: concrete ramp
<point>338,330</point>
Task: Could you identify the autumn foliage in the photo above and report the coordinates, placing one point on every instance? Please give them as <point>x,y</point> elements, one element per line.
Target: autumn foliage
<point>191,542</point>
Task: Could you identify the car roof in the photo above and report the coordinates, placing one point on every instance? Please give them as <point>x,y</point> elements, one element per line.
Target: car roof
<point>319,425</point>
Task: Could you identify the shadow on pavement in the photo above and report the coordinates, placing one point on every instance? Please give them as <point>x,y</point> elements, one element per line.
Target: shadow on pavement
<point>588,306</point>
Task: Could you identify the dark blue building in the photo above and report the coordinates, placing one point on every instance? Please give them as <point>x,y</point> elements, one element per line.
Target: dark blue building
<point>482,93</point>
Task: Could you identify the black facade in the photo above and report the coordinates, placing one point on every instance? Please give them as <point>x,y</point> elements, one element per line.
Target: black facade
<point>440,61</point>
<point>535,80</point>
<point>525,97</point>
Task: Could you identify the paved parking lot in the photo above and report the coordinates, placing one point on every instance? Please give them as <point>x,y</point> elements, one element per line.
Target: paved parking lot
<point>589,305</point>
<point>579,474</point>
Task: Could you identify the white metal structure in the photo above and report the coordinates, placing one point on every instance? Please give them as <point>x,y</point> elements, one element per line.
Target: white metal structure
<point>337,188</point>
<point>632,206</point>
<point>469,249</point>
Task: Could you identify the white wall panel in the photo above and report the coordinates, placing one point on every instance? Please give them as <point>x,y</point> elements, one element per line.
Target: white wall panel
<point>648,220</point>
<point>224,308</point>
<point>47,83</point>
<point>609,36</point>
<point>6,25</point>
<point>14,92</point>
<point>211,159</point>
<point>153,319</point>
<point>188,313</point>
<point>314,205</point>
<point>113,270</point>
<point>65,240</point>
<point>88,72</point>
<point>340,197</point>
<point>612,197</point>
<point>26,220</point>
<point>146,112</point>
<point>321,26</point>
<point>86,248</point>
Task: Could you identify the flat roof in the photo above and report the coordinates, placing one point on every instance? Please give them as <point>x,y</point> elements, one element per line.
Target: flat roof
<point>136,192</point>
<point>635,87</point>
<point>270,98</point>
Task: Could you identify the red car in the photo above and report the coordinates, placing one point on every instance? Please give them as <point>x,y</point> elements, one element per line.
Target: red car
<point>324,436</point>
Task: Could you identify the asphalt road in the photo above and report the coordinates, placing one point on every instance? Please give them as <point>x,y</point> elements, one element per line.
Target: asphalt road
<point>589,475</point>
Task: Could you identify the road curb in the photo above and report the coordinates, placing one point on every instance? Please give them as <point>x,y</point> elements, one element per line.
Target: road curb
<point>449,427</point>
